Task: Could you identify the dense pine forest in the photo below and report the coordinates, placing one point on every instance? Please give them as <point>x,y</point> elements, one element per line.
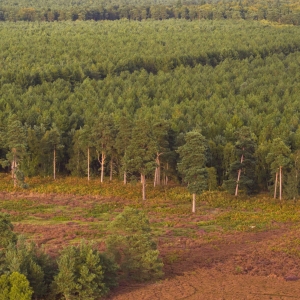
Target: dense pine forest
<point>286,12</point>
<point>131,88</point>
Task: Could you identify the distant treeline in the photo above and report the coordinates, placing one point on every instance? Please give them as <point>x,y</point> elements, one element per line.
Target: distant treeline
<point>284,12</point>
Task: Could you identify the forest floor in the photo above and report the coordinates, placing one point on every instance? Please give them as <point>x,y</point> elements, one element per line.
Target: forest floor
<point>198,263</point>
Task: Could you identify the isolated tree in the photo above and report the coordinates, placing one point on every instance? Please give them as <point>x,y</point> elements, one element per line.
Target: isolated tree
<point>192,164</point>
<point>132,247</point>
<point>278,159</point>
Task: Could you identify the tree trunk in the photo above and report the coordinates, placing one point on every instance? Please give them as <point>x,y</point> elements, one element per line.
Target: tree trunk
<point>166,178</point>
<point>280,183</point>
<point>125,177</point>
<point>157,170</point>
<point>14,168</point>
<point>275,186</point>
<point>194,204</point>
<point>103,157</point>
<point>88,164</point>
<point>238,178</point>
<point>143,177</point>
<point>111,169</point>
<point>54,162</point>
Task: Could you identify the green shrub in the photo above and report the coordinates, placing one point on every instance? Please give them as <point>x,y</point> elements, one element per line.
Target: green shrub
<point>15,287</point>
<point>133,248</point>
<point>6,228</point>
<point>84,273</point>
<point>26,258</point>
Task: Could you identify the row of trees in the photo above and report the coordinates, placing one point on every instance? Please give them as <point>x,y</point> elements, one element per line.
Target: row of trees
<point>79,272</point>
<point>276,11</point>
<point>147,146</point>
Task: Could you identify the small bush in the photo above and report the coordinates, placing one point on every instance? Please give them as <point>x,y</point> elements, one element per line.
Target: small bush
<point>15,287</point>
<point>84,273</point>
<point>6,228</point>
<point>133,247</point>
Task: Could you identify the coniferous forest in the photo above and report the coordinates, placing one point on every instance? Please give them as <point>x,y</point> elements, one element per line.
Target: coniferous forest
<point>198,93</point>
<point>115,90</point>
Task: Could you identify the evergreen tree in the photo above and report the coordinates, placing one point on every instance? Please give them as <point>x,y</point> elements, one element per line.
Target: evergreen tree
<point>84,273</point>
<point>142,151</point>
<point>192,164</point>
<point>279,159</point>
<point>242,171</point>
<point>132,246</point>
<point>6,229</point>
<point>16,143</point>
<point>15,287</point>
<point>103,136</point>
<point>25,258</point>
<point>52,142</point>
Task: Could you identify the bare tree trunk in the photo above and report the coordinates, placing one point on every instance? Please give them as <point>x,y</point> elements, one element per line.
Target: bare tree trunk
<point>111,169</point>
<point>280,183</point>
<point>143,177</point>
<point>103,157</point>
<point>194,204</point>
<point>157,170</point>
<point>54,162</point>
<point>276,183</point>
<point>238,178</point>
<point>88,164</point>
<point>125,177</point>
<point>14,168</point>
<point>166,178</point>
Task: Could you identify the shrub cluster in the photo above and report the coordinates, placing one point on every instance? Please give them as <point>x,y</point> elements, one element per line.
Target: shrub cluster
<point>80,272</point>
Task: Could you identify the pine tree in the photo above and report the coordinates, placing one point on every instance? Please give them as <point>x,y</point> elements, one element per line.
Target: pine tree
<point>192,164</point>
<point>84,273</point>
<point>15,287</point>
<point>132,246</point>
<point>142,151</point>
<point>16,143</point>
<point>279,159</point>
<point>242,170</point>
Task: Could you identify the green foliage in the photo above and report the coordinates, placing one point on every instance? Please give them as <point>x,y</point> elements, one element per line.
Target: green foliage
<point>150,86</point>
<point>26,258</point>
<point>15,287</point>
<point>6,228</point>
<point>242,170</point>
<point>84,273</point>
<point>193,161</point>
<point>133,248</point>
<point>131,221</point>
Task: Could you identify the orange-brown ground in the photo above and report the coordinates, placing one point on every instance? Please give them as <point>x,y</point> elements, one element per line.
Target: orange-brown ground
<point>216,265</point>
